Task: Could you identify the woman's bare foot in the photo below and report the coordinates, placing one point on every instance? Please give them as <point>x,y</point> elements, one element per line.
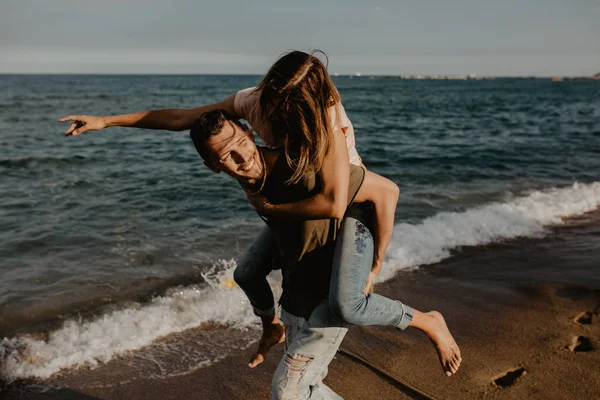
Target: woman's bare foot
<point>434,326</point>
<point>273,333</point>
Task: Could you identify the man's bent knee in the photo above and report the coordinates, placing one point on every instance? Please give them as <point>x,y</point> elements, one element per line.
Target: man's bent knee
<point>289,384</point>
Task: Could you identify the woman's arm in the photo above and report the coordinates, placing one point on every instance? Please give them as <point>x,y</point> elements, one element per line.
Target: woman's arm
<point>384,194</point>
<point>171,120</point>
<point>331,201</point>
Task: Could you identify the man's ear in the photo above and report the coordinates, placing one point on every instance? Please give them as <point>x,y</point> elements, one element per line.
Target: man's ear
<point>212,167</point>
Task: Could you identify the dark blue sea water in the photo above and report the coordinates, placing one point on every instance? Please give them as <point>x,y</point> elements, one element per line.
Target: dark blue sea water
<point>122,215</point>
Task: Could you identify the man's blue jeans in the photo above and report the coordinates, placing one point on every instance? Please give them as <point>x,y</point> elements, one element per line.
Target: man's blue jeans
<point>310,345</point>
<point>352,262</point>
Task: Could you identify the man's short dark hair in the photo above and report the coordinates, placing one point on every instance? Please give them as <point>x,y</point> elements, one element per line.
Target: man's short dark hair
<point>209,124</point>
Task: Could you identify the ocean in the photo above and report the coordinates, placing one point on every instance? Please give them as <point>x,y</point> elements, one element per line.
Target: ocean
<point>120,245</point>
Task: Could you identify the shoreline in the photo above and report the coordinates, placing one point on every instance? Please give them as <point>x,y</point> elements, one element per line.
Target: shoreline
<point>540,338</point>
<point>499,328</point>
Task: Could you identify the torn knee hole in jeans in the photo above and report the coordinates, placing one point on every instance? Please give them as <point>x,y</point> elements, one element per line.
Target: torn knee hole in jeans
<point>298,362</point>
<point>297,365</point>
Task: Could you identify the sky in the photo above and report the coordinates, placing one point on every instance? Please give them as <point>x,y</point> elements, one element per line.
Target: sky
<point>489,38</point>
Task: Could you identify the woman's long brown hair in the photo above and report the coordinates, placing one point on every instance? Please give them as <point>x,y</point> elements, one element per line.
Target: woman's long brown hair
<point>295,97</point>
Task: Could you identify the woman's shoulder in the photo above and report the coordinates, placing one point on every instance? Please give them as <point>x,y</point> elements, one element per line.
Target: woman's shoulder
<point>246,101</point>
<point>338,116</point>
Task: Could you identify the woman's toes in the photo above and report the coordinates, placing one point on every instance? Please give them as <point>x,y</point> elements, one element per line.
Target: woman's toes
<point>452,367</point>
<point>455,366</point>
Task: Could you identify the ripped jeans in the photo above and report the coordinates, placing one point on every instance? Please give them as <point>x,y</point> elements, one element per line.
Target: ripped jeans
<point>310,345</point>
<point>352,262</point>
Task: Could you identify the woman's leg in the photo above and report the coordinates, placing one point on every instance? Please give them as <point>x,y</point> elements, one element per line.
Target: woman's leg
<point>251,275</point>
<point>352,263</point>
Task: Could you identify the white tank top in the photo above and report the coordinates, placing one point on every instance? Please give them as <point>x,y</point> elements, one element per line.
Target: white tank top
<point>247,106</point>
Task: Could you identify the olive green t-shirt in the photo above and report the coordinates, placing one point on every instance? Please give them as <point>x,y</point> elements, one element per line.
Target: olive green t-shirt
<point>305,247</point>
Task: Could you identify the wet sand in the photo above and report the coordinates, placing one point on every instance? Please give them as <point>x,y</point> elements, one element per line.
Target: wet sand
<point>522,336</point>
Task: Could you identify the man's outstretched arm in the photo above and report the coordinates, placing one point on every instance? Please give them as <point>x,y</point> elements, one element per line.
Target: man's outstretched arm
<point>384,194</point>
<point>170,120</point>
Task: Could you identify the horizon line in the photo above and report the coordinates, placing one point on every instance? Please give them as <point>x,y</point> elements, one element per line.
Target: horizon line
<point>333,75</point>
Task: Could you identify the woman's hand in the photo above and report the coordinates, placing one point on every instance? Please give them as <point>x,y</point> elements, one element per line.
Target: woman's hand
<point>83,123</point>
<point>332,200</point>
<point>257,201</point>
<point>167,119</point>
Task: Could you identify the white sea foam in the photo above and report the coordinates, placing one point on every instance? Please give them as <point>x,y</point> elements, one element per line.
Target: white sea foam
<point>528,216</point>
<point>78,344</point>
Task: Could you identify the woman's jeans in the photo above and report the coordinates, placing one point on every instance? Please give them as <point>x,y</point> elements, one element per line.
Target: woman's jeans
<point>352,263</point>
<point>251,273</point>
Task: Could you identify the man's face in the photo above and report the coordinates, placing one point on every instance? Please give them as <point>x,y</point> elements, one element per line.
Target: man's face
<point>233,151</point>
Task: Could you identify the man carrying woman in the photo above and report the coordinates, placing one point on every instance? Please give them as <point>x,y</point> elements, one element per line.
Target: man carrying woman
<point>297,109</point>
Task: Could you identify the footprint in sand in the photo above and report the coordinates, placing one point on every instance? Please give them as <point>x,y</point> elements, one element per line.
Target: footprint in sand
<point>585,318</point>
<point>509,378</point>
<point>580,344</point>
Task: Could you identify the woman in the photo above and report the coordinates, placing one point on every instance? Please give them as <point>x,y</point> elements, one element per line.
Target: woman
<point>297,108</point>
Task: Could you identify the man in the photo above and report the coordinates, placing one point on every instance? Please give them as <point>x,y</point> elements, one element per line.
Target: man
<point>306,250</point>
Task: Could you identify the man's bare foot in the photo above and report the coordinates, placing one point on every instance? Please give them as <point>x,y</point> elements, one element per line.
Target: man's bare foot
<point>273,333</point>
<point>434,326</point>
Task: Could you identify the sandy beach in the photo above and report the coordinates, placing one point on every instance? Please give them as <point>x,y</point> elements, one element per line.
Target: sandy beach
<point>520,338</point>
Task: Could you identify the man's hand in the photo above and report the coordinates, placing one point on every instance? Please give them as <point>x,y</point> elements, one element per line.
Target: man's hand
<point>371,279</point>
<point>257,201</point>
<point>83,123</point>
